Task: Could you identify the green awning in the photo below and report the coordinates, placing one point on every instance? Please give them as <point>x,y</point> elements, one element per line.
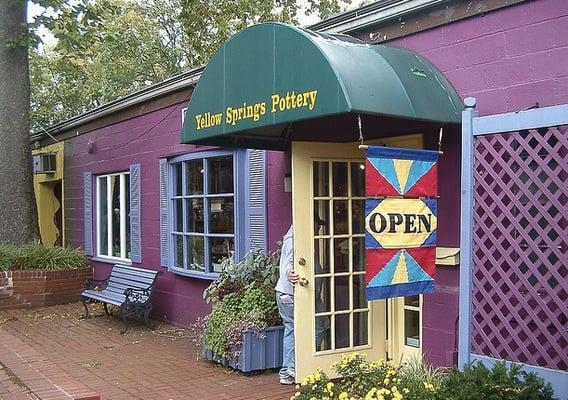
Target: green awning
<point>272,83</point>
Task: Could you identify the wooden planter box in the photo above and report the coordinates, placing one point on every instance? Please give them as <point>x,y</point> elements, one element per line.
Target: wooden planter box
<point>258,352</point>
<point>40,288</point>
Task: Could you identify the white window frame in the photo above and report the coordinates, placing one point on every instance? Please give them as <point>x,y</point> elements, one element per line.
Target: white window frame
<point>123,237</point>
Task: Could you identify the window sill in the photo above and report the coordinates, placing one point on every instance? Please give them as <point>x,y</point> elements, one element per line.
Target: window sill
<point>113,261</point>
<point>209,276</point>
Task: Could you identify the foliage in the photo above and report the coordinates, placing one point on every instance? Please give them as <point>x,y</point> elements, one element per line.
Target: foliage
<point>360,379</point>
<point>243,300</point>
<point>108,48</point>
<point>37,256</point>
<point>477,382</point>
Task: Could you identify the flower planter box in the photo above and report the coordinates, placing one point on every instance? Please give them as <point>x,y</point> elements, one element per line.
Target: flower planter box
<point>258,352</point>
<point>40,288</point>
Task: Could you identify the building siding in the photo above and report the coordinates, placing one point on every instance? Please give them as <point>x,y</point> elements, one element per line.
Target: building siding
<point>509,60</point>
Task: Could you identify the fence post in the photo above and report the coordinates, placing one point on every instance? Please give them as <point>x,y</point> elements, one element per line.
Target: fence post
<point>466,233</point>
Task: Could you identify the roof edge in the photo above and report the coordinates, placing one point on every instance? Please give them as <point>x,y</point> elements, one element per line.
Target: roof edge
<point>371,14</point>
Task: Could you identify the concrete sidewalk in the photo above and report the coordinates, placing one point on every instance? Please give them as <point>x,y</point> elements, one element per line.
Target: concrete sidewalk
<point>52,353</point>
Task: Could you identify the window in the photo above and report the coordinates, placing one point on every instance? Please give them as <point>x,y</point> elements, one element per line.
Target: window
<point>113,216</point>
<point>412,321</point>
<point>202,212</point>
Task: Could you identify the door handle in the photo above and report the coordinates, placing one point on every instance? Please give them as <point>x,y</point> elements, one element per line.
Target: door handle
<point>303,282</point>
<point>302,262</point>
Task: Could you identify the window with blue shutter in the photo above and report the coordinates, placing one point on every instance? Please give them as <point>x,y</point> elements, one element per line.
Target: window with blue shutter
<point>116,218</point>
<point>164,225</point>
<point>208,196</point>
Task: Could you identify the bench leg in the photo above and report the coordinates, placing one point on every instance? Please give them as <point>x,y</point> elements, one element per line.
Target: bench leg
<point>147,318</point>
<point>106,310</point>
<point>84,301</point>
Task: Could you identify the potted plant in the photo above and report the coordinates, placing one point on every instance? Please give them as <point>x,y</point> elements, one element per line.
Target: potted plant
<point>244,328</point>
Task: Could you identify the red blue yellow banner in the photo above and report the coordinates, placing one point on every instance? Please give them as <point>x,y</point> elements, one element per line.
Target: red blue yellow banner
<point>401,220</point>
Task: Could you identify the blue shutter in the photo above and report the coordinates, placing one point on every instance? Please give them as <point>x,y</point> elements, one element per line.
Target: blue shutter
<point>164,226</point>
<point>88,212</point>
<point>135,231</point>
<point>256,200</point>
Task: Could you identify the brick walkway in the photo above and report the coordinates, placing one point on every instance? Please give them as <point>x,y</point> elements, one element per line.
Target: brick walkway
<point>51,353</point>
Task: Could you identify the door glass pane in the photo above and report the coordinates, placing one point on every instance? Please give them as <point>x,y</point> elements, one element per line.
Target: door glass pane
<point>341,255</point>
<point>177,179</point>
<point>357,179</point>
<point>178,251</point>
<point>194,177</point>
<point>321,217</point>
<point>196,253</point>
<point>322,295</point>
<point>221,215</point>
<point>360,328</point>
<point>340,188</point>
<point>359,295</point>
<point>413,301</point>
<point>358,216</point>
<point>220,173</point>
<point>323,334</point>
<point>341,293</point>
<point>103,217</point>
<point>341,217</point>
<point>358,254</point>
<point>321,256</point>
<point>342,325</point>
<point>178,215</point>
<point>321,179</point>
<point>220,248</point>
<point>194,215</point>
<point>412,328</point>
<point>115,193</point>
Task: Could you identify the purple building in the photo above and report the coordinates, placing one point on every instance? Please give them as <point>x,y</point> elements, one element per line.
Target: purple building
<point>134,194</point>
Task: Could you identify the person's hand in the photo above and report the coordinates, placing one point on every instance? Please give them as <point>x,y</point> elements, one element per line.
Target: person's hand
<point>293,277</point>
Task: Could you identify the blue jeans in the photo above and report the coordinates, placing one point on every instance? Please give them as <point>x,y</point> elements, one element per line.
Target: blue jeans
<point>286,309</point>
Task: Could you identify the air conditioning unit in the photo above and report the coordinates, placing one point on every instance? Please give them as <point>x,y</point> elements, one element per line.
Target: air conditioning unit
<point>44,163</point>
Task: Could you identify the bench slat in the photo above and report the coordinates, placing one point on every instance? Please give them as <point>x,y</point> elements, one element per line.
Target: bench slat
<point>116,281</point>
<point>135,271</point>
<point>104,295</point>
<point>135,278</point>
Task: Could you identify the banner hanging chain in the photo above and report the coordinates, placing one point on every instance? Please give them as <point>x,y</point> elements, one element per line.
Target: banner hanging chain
<point>361,138</point>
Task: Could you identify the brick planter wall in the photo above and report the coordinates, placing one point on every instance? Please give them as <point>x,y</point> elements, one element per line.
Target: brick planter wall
<point>39,288</point>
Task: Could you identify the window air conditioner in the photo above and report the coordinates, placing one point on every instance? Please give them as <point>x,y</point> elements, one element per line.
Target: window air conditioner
<point>44,163</point>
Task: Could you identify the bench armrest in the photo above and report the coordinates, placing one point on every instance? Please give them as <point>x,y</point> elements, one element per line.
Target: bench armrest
<point>137,295</point>
<point>92,283</point>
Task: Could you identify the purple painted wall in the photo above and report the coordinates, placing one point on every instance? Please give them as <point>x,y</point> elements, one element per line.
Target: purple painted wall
<point>508,60</point>
<point>279,202</point>
<point>146,139</point>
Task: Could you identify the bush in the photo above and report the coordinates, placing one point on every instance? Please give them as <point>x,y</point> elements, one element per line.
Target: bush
<point>37,256</point>
<point>478,382</point>
<point>243,300</point>
<point>359,379</point>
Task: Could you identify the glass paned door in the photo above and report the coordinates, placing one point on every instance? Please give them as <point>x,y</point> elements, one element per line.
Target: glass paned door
<point>332,315</point>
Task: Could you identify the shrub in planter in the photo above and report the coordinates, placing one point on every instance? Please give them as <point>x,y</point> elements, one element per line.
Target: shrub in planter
<point>499,383</point>
<point>360,379</point>
<point>35,276</point>
<point>243,301</point>
<point>37,256</point>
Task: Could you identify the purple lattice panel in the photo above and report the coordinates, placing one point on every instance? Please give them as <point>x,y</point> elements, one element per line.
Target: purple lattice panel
<point>520,276</point>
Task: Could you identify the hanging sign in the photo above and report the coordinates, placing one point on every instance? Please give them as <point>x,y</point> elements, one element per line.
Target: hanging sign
<point>401,220</point>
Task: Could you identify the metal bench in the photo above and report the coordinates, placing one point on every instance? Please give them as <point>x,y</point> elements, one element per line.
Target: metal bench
<point>128,288</point>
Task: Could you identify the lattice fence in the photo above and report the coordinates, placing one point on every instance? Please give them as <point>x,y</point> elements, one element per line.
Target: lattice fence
<point>520,247</point>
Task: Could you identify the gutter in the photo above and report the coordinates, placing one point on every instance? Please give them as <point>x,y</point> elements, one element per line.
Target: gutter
<point>372,14</point>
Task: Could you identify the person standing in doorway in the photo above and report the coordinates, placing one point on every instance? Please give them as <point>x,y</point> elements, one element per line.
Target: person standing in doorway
<point>285,300</point>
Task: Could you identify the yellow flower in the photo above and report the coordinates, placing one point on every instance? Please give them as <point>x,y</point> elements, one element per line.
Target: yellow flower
<point>380,397</point>
<point>405,390</point>
<point>386,381</point>
<point>343,396</point>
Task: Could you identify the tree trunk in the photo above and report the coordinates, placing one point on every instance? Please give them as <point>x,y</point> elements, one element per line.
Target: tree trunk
<point>18,212</point>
